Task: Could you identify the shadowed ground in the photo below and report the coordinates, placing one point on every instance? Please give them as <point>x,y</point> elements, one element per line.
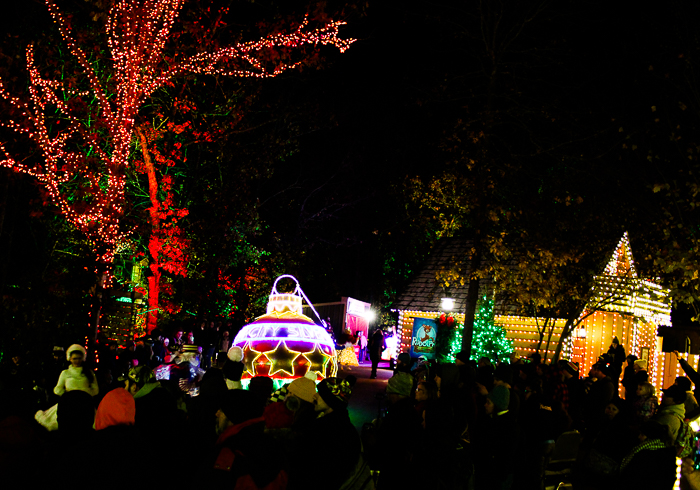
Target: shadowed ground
<point>363,405</point>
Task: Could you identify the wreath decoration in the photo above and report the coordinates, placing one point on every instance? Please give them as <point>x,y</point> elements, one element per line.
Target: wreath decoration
<point>449,329</point>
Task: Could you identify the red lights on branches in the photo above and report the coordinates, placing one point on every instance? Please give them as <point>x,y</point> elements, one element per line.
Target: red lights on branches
<point>96,152</point>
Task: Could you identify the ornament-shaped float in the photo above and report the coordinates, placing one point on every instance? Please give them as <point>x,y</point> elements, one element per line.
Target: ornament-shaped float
<point>284,344</point>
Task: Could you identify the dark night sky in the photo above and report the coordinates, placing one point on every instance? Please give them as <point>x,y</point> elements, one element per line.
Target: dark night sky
<point>384,109</point>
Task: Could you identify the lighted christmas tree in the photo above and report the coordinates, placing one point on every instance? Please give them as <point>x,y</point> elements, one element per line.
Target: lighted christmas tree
<point>84,123</point>
<point>489,339</point>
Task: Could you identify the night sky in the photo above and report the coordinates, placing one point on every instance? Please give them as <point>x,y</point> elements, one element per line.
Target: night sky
<point>590,101</point>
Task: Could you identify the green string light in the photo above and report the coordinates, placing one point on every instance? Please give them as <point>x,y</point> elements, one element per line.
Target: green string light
<point>489,340</point>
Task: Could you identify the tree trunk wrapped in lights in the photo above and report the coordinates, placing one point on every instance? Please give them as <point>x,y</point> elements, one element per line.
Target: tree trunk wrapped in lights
<point>84,125</point>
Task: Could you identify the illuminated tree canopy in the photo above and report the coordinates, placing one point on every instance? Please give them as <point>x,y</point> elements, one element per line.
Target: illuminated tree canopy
<point>85,132</point>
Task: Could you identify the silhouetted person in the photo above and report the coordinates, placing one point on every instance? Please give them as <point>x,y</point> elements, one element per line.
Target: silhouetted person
<point>376,346</point>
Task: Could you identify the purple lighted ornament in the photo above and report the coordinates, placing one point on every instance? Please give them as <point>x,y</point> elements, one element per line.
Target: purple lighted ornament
<point>284,343</point>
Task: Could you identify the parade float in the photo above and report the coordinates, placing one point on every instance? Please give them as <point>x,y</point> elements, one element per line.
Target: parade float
<point>284,344</point>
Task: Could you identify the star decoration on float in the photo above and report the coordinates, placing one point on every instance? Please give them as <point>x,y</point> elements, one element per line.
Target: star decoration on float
<point>260,362</point>
<point>317,360</point>
<point>282,359</point>
<point>249,357</point>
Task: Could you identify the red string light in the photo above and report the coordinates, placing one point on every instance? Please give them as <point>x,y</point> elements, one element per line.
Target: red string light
<point>137,31</point>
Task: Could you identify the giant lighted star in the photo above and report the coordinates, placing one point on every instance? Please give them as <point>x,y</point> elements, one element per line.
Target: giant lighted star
<point>249,357</point>
<point>282,359</point>
<point>317,360</point>
<point>262,362</point>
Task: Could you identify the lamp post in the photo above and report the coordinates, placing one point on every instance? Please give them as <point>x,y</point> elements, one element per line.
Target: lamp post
<point>447,304</point>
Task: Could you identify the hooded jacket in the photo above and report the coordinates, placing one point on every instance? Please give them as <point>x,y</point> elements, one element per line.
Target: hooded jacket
<point>671,416</point>
<point>116,408</point>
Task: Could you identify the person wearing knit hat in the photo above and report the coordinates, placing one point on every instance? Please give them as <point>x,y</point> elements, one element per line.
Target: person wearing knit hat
<point>330,402</point>
<point>396,430</point>
<point>671,413</point>
<point>400,384</point>
<point>403,363</point>
<point>233,368</point>
<point>75,378</point>
<point>235,354</point>
<point>75,348</point>
<point>243,455</point>
<point>571,368</point>
<point>140,381</point>
<point>303,388</point>
<point>296,407</point>
<point>232,372</point>
<point>116,408</point>
<point>332,394</point>
<point>116,436</point>
<point>58,351</point>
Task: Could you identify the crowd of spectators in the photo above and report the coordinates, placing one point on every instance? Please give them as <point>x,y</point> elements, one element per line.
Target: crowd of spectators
<point>463,425</point>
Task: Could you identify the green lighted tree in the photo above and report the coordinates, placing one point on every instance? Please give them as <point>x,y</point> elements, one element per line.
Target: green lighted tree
<point>489,340</point>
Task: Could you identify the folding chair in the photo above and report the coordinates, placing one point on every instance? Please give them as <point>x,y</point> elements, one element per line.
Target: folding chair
<point>563,459</point>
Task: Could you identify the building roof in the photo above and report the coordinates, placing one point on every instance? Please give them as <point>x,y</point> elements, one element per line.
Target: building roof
<point>425,291</point>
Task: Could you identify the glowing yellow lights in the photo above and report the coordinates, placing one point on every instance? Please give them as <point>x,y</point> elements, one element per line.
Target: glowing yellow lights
<point>622,305</point>
<point>317,360</point>
<point>249,357</point>
<point>282,359</point>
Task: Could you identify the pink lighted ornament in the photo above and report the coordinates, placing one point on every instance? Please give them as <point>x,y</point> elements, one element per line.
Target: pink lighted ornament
<point>284,343</point>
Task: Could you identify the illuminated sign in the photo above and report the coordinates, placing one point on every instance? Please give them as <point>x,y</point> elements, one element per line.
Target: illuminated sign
<point>358,308</point>
<point>278,331</point>
<point>423,338</point>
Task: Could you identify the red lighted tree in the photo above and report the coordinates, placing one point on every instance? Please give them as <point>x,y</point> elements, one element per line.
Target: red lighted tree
<point>167,245</point>
<point>84,123</point>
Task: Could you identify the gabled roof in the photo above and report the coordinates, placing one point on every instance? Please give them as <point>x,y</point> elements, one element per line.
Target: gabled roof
<point>627,293</point>
<point>425,291</point>
<point>621,263</point>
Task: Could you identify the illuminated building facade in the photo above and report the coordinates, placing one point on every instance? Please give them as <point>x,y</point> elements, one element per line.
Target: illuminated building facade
<point>627,307</point>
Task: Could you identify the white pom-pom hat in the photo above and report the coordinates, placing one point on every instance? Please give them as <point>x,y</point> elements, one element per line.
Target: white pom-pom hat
<point>235,353</point>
